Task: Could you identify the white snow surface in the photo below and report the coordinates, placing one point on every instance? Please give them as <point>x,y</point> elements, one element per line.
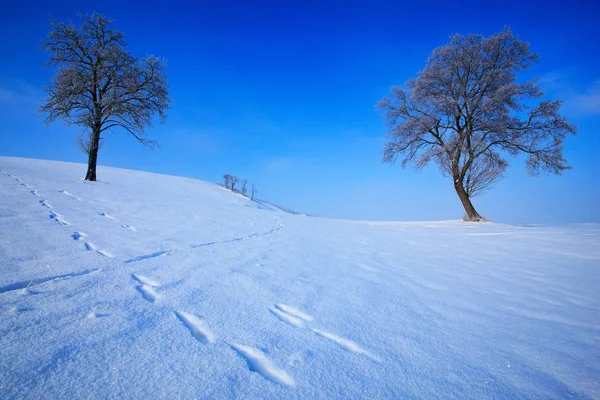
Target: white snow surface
<point>151,286</point>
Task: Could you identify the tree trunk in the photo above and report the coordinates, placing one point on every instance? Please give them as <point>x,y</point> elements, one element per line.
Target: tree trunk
<point>93,155</point>
<point>466,202</point>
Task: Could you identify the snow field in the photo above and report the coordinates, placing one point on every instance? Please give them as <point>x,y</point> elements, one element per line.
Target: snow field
<point>145,285</point>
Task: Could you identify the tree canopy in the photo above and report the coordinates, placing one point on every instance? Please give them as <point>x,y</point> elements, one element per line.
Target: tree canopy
<point>466,111</point>
<point>99,85</point>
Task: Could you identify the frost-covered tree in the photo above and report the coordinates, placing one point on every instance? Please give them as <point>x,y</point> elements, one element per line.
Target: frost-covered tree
<point>99,85</point>
<point>466,111</point>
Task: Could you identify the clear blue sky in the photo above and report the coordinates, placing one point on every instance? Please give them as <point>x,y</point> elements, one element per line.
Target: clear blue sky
<point>283,93</point>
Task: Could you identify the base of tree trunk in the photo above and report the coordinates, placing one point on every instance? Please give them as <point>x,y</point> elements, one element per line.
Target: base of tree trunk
<point>466,218</point>
<point>90,176</point>
<point>471,214</point>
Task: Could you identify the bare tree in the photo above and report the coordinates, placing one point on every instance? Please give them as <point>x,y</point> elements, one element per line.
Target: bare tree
<point>234,180</point>
<point>99,85</point>
<point>244,183</point>
<point>465,110</point>
<point>227,180</point>
<point>254,191</point>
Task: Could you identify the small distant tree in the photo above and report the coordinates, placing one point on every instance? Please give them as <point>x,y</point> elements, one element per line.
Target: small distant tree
<point>234,180</point>
<point>254,191</point>
<point>227,180</point>
<point>465,111</point>
<point>244,183</point>
<point>99,85</point>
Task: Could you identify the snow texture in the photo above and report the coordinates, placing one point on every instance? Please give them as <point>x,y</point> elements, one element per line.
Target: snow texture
<point>152,286</point>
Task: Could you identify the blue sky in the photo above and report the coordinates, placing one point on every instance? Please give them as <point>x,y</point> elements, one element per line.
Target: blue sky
<point>283,93</point>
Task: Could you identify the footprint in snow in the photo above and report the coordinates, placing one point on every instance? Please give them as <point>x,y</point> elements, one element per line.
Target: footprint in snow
<point>91,247</point>
<point>44,203</point>
<point>287,318</point>
<point>295,317</point>
<point>293,311</point>
<point>18,310</point>
<point>78,235</point>
<point>148,293</point>
<point>259,363</point>
<point>69,194</point>
<point>346,344</point>
<point>148,256</point>
<point>144,280</point>
<point>58,218</point>
<point>24,287</point>
<point>95,315</point>
<point>131,228</point>
<point>105,215</point>
<point>34,192</point>
<point>196,327</point>
<point>290,315</point>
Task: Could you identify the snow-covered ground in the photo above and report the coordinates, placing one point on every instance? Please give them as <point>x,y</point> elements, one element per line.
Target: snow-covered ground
<point>151,286</point>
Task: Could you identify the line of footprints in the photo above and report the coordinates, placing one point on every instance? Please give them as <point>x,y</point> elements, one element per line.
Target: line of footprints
<point>256,360</point>
<point>79,236</point>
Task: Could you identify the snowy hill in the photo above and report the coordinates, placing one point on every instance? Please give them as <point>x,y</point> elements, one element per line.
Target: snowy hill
<point>153,286</point>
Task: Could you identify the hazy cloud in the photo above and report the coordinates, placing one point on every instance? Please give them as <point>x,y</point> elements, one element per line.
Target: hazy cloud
<point>587,103</point>
<point>578,101</point>
<point>20,95</point>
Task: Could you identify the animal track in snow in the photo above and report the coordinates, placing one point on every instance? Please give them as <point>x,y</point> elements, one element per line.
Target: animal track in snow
<point>69,194</point>
<point>17,310</point>
<point>20,181</point>
<point>257,362</point>
<point>34,192</point>
<point>287,318</point>
<point>78,235</point>
<point>44,203</point>
<point>279,227</point>
<point>92,247</point>
<point>144,280</point>
<point>105,215</point>
<point>39,281</point>
<point>346,344</point>
<point>196,327</point>
<point>131,228</point>
<point>95,315</point>
<point>195,246</point>
<point>148,293</point>
<point>293,312</point>
<point>58,218</point>
<point>147,256</point>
